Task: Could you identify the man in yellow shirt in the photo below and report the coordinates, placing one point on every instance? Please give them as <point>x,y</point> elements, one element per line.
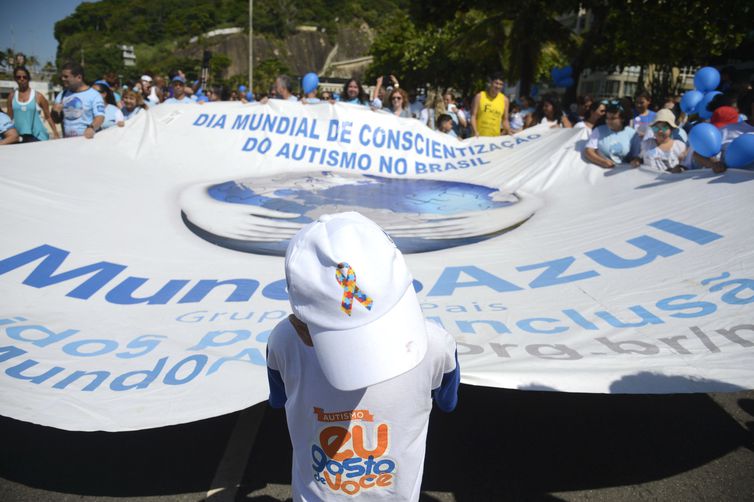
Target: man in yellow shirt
<point>489,111</point>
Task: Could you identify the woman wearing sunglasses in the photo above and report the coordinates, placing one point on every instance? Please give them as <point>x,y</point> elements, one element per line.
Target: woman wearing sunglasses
<point>23,108</point>
<point>614,142</point>
<point>661,151</point>
<point>399,103</point>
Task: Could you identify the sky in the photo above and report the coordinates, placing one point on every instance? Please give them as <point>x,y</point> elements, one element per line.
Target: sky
<point>28,26</point>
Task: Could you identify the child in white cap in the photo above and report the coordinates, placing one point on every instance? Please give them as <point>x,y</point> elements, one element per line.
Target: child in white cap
<point>356,365</point>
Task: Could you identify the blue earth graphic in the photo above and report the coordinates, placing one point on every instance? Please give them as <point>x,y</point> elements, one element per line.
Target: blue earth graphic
<point>419,215</point>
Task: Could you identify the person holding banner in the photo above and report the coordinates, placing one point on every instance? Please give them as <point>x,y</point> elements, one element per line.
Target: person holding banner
<point>24,105</point>
<point>284,88</point>
<point>113,114</point>
<point>178,85</point>
<point>356,366</point>
<point>8,133</point>
<point>489,111</point>
<point>79,107</point>
<point>730,132</point>
<point>399,105</point>
<point>614,142</point>
<point>353,93</point>
<point>661,151</point>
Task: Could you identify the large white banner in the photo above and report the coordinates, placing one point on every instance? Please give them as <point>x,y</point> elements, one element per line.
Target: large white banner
<point>141,271</point>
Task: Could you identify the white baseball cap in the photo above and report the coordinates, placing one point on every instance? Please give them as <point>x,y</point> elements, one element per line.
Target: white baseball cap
<point>348,282</point>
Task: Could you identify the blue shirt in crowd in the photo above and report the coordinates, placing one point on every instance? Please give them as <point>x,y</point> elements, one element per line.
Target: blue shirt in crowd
<point>6,123</point>
<point>79,110</point>
<point>173,101</point>
<point>618,146</point>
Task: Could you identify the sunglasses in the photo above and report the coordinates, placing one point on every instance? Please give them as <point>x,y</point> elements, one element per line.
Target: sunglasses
<point>612,105</point>
<point>396,98</point>
<point>658,128</point>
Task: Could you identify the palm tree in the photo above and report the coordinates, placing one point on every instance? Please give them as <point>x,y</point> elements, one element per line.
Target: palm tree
<point>33,63</point>
<point>8,58</point>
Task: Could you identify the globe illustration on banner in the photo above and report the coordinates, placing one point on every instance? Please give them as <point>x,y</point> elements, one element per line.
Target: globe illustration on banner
<point>259,215</point>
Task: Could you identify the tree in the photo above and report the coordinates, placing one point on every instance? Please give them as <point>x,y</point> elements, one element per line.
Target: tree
<point>218,65</point>
<point>510,36</point>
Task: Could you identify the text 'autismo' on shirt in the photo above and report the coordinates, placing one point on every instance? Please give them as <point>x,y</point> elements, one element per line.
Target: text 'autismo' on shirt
<point>368,442</point>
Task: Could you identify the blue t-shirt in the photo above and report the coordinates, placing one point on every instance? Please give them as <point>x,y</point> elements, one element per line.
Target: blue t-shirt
<point>618,146</point>
<point>641,122</point>
<point>6,123</point>
<point>79,110</point>
<point>173,101</point>
<point>113,115</point>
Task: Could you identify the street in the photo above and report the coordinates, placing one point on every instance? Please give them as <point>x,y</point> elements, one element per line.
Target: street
<point>497,445</point>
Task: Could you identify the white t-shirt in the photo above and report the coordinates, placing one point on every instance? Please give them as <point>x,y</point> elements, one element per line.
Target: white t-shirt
<point>582,124</point>
<point>654,157</point>
<point>369,442</point>
<point>427,117</point>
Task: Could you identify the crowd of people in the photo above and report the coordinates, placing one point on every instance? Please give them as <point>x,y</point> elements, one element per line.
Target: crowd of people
<point>631,131</point>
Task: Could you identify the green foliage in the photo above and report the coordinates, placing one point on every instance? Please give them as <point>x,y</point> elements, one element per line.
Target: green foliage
<point>438,56</point>
<point>266,72</point>
<point>218,65</point>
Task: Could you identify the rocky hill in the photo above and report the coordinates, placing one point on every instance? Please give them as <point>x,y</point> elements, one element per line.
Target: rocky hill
<point>309,49</point>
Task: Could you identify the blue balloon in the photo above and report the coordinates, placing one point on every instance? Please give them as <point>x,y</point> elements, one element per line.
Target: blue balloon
<point>534,90</point>
<point>706,139</point>
<point>740,151</point>
<point>242,88</point>
<point>566,71</point>
<point>707,79</point>
<point>690,100</point>
<point>564,82</point>
<point>701,108</point>
<point>249,96</point>
<point>310,82</point>
<point>555,74</point>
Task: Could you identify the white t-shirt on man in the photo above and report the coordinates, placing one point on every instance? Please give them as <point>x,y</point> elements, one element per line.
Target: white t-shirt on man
<point>369,442</point>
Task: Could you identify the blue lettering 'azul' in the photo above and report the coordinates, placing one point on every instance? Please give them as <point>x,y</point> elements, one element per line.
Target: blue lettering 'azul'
<point>47,260</point>
<point>553,270</point>
<point>449,281</point>
<point>652,249</point>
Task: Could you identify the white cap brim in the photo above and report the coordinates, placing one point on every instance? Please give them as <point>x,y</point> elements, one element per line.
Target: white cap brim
<point>369,354</point>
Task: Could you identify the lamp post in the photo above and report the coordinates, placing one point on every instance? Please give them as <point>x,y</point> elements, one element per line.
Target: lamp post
<point>251,43</point>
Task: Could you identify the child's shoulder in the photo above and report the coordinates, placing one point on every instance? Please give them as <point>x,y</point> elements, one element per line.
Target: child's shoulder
<point>283,336</point>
